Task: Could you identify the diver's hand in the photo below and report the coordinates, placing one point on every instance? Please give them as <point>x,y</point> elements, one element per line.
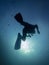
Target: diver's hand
<point>38,32</point>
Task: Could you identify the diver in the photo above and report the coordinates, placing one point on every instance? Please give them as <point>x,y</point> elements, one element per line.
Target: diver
<point>28,29</point>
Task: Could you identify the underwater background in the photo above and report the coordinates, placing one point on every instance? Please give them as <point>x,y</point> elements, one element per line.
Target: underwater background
<point>33,12</point>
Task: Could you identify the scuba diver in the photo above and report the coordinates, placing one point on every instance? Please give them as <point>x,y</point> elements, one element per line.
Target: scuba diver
<point>27,31</point>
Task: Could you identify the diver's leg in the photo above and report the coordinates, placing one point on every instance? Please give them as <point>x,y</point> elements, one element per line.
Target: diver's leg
<point>18,42</point>
<point>36,26</point>
<point>24,34</point>
<point>23,37</point>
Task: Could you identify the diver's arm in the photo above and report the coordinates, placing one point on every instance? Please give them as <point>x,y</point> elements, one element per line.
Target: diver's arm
<point>36,26</point>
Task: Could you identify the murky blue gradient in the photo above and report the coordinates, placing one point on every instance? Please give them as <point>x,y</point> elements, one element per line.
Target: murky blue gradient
<point>34,12</point>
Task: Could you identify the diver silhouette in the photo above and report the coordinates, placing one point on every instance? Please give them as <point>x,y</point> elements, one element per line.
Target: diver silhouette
<point>27,31</point>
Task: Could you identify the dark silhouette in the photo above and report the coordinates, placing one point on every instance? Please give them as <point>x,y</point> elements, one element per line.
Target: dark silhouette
<point>27,31</point>
<point>18,42</point>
